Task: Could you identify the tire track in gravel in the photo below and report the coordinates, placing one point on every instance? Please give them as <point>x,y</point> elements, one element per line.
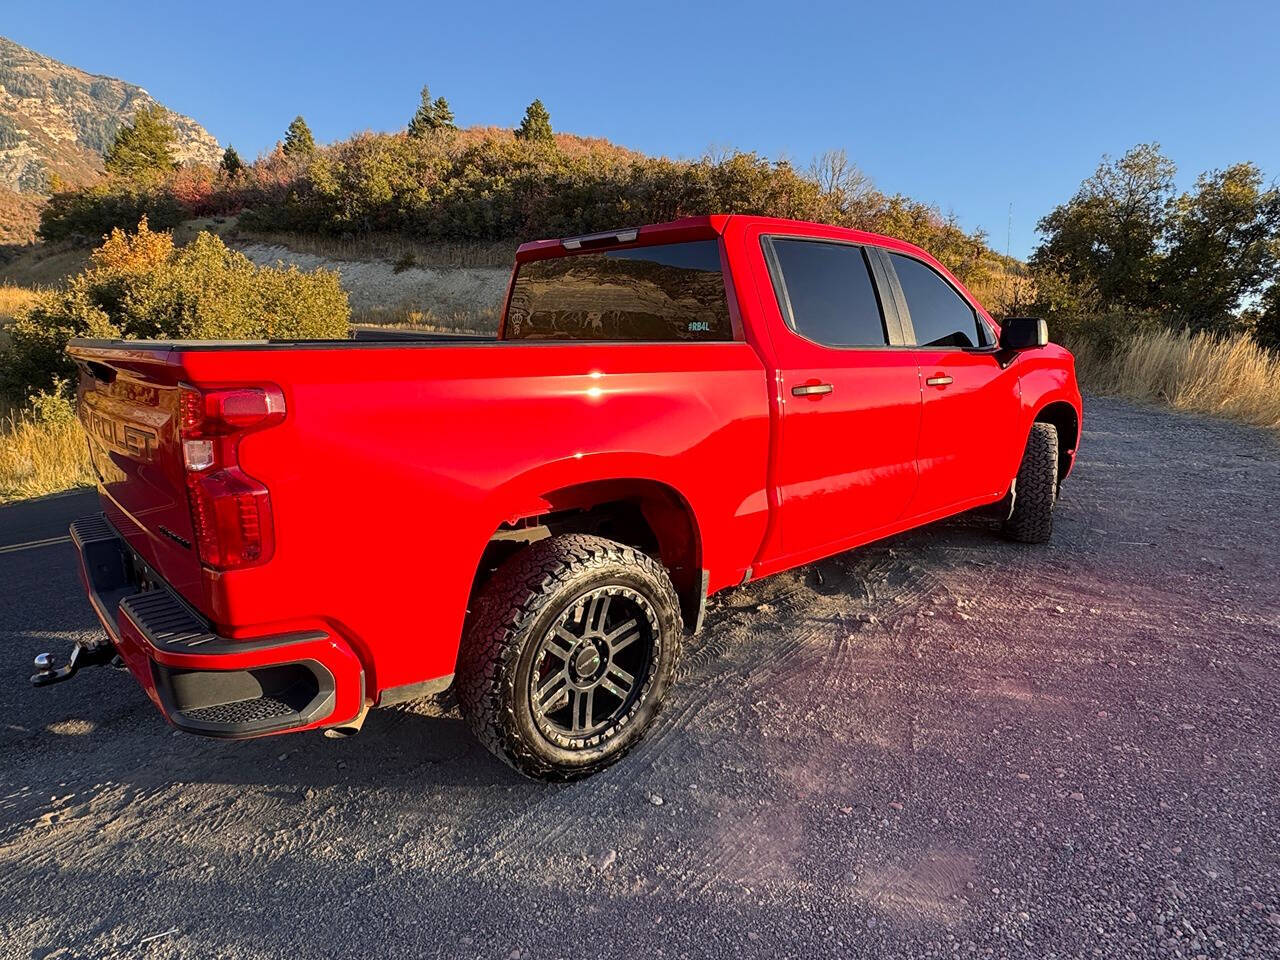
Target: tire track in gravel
<point>660,752</point>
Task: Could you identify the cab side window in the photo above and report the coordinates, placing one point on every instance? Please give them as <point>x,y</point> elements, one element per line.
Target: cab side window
<point>826,293</point>
<point>941,317</point>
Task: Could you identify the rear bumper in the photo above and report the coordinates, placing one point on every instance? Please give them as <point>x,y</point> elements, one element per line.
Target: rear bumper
<point>202,682</point>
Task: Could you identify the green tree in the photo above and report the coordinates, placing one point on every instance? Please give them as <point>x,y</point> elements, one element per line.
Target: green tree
<point>298,141</point>
<point>143,148</point>
<point>1267,328</point>
<point>231,164</point>
<point>431,116</point>
<point>1221,243</point>
<point>536,125</point>
<point>1106,240</point>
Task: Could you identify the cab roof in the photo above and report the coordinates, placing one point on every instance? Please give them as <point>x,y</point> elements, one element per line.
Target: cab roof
<point>703,228</point>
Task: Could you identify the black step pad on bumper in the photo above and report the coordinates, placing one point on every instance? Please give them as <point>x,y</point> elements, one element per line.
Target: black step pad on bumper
<point>228,703</point>
<point>165,621</point>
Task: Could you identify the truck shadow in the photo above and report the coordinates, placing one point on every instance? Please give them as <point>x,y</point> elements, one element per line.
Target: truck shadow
<point>824,630</point>
<point>824,624</point>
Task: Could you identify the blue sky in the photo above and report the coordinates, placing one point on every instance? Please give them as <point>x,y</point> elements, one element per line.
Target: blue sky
<point>969,106</point>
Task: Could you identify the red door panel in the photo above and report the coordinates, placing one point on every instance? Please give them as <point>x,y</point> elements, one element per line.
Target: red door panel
<point>969,415</point>
<point>847,462</point>
<point>850,403</point>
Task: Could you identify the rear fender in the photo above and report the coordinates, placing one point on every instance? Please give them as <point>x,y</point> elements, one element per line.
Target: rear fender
<point>592,480</point>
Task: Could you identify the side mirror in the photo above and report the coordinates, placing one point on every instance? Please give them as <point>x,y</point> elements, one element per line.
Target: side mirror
<point>1023,333</point>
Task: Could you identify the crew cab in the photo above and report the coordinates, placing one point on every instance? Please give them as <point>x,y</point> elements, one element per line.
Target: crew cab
<point>293,533</point>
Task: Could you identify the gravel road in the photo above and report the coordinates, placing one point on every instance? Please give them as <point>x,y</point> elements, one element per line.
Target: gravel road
<point>939,745</point>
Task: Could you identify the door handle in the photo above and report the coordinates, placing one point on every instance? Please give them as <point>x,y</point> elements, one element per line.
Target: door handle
<point>811,389</point>
<point>938,381</point>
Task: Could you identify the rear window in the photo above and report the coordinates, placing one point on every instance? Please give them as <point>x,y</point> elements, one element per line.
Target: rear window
<point>672,291</point>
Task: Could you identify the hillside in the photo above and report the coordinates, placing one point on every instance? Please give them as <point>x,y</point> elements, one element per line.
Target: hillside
<point>57,120</point>
<point>443,185</point>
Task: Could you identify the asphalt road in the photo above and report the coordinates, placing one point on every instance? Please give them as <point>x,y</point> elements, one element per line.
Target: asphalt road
<point>940,745</point>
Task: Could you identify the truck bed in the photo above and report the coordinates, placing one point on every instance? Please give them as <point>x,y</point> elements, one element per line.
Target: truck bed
<point>396,461</point>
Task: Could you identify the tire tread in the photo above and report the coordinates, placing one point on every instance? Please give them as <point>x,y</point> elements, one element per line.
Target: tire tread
<point>505,609</point>
<point>1037,488</point>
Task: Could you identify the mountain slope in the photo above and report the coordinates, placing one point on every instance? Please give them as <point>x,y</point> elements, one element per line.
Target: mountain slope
<point>55,119</point>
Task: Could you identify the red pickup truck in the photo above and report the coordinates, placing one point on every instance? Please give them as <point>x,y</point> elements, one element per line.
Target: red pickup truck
<point>295,532</point>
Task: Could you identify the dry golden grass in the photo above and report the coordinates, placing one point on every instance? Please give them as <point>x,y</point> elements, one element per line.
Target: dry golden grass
<point>13,299</point>
<point>40,456</point>
<point>1232,377</point>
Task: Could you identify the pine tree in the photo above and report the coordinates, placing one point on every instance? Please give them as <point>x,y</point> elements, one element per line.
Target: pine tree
<point>232,165</point>
<point>298,141</point>
<point>143,148</point>
<point>536,125</point>
<point>431,116</point>
<point>444,116</point>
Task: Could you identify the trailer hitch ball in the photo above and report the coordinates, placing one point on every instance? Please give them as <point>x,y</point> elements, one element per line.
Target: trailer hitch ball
<point>81,656</point>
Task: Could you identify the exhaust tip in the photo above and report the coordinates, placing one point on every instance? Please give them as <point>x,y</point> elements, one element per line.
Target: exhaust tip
<point>349,729</point>
<point>341,733</point>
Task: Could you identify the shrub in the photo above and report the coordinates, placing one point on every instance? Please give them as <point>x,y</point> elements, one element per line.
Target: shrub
<point>1266,328</point>
<point>96,211</point>
<point>141,286</point>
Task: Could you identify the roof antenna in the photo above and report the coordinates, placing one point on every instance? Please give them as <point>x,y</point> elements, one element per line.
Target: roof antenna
<point>1011,287</point>
<point>1008,238</point>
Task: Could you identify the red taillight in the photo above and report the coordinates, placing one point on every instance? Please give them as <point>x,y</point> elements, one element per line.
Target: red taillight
<point>220,412</point>
<point>230,510</point>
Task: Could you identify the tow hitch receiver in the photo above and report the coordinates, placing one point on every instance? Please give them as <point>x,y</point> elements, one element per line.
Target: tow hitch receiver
<point>81,656</point>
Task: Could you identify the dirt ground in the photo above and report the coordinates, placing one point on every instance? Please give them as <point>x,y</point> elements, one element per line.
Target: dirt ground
<point>940,745</point>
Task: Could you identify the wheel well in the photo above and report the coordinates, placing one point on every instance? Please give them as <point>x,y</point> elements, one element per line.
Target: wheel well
<point>1063,416</point>
<point>644,514</point>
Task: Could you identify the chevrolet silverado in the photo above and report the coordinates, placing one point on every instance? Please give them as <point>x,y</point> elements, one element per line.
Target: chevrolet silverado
<point>293,533</point>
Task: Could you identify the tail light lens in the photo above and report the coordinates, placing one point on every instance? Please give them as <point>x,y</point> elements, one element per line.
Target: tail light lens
<point>230,510</point>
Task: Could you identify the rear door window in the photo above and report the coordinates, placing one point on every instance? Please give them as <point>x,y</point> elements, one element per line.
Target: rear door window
<point>826,293</point>
<point>941,317</point>
<point>672,291</point>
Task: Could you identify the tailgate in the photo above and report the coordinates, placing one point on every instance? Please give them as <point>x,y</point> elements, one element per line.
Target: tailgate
<point>129,406</point>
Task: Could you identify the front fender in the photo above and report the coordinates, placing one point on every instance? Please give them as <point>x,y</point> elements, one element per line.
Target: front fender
<point>1048,387</point>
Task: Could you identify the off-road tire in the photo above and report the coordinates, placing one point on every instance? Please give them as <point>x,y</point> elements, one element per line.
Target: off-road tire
<point>1036,488</point>
<point>524,600</point>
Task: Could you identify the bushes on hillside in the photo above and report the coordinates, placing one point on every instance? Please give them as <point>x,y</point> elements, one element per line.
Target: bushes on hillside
<point>141,286</point>
<point>489,184</point>
<point>194,190</point>
<point>92,212</point>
